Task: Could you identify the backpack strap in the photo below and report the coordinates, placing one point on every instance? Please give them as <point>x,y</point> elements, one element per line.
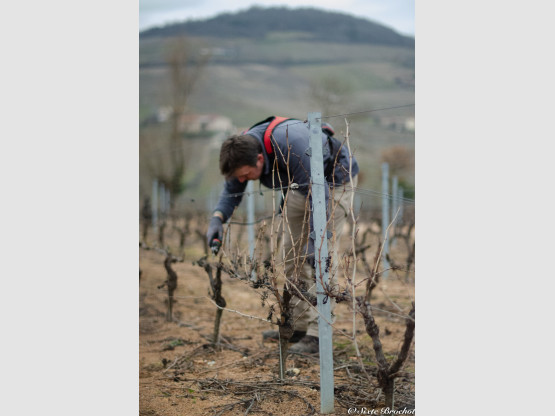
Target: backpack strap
<point>274,121</point>
<point>269,131</point>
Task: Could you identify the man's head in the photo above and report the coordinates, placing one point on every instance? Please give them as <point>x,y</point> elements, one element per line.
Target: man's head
<point>241,157</point>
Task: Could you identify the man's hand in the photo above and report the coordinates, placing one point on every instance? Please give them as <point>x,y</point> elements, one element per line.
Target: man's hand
<point>215,233</point>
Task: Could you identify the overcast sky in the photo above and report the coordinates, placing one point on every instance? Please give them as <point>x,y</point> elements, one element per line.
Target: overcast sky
<point>396,14</point>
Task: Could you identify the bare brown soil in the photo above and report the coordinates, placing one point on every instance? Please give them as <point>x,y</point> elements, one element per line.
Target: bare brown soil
<point>182,373</point>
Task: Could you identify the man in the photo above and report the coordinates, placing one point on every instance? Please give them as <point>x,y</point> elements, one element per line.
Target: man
<point>275,151</point>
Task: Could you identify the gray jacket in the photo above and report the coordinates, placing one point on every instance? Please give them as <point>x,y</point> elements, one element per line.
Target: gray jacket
<point>292,138</point>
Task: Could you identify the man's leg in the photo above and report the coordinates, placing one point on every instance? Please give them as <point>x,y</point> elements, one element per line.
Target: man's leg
<point>304,315</point>
<point>339,210</point>
<point>296,223</point>
<point>296,270</point>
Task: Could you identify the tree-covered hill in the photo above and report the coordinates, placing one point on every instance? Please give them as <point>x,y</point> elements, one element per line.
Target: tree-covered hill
<point>304,23</point>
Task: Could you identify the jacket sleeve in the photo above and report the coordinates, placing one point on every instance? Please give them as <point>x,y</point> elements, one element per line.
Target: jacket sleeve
<point>230,197</point>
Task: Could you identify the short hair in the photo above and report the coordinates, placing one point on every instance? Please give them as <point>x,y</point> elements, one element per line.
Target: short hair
<point>238,151</point>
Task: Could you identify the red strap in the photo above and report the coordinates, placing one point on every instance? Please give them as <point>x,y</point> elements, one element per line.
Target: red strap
<point>268,133</point>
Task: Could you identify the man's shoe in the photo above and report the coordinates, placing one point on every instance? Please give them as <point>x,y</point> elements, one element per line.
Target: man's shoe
<point>273,336</point>
<point>307,345</point>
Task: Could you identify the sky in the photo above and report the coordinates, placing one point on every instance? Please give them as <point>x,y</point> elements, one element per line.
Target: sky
<point>395,14</point>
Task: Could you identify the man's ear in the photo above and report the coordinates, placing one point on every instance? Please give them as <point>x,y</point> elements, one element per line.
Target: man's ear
<point>260,157</point>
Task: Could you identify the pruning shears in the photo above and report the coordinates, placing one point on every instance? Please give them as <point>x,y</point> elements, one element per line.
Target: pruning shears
<point>215,246</point>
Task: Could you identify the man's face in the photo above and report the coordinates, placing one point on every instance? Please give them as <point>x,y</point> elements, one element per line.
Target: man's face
<point>250,173</point>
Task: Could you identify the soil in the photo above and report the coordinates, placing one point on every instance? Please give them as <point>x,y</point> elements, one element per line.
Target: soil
<point>182,373</point>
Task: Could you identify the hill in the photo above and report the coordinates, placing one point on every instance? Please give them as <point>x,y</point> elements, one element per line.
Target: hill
<point>304,23</point>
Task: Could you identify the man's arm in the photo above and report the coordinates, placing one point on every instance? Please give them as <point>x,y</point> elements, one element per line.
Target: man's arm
<point>230,198</point>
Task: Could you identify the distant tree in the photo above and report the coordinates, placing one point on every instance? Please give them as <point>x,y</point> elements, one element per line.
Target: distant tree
<point>162,147</point>
<point>184,75</point>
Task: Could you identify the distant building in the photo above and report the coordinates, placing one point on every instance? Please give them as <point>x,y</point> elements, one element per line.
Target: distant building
<point>409,124</point>
<point>398,123</point>
<point>163,114</point>
<point>192,123</point>
<point>200,123</point>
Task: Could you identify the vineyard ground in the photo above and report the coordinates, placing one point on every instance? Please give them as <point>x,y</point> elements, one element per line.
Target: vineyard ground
<point>181,373</point>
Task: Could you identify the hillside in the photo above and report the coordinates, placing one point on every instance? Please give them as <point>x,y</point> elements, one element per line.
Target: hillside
<point>304,23</point>
<point>276,72</point>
